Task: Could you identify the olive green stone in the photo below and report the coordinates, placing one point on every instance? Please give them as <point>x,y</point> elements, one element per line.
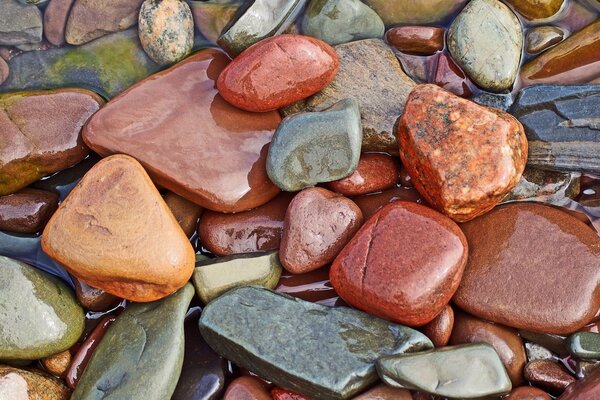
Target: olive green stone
<point>415,12</point>
<point>584,345</point>
<point>555,343</point>
<point>216,276</point>
<point>467,371</point>
<point>315,147</point>
<point>141,354</point>
<point>39,315</point>
<point>322,352</point>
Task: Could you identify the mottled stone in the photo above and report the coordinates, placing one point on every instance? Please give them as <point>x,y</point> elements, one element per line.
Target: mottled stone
<point>18,384</point>
<point>551,187</point>
<point>419,40</point>
<point>384,392</point>
<point>440,328</point>
<point>375,172</point>
<point>548,374</point>
<point>185,212</point>
<point>115,232</point>
<point>585,389</point>
<point>292,356</point>
<point>486,40</point>
<point>537,9</point>
<point>415,11</point>
<point>58,364</point>
<point>585,345</point>
<point>542,38</point>
<point>368,69</point>
<point>247,388</point>
<point>210,17</point>
<point>55,20</point>
<point>27,210</point>
<point>434,132</point>
<point>372,203</point>
<point>20,23</point>
<point>501,101</point>
<point>93,299</point>
<point>528,393</point>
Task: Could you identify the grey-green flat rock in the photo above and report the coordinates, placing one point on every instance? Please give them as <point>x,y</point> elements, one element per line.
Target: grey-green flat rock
<point>39,315</point>
<point>584,345</point>
<point>141,354</point>
<point>322,352</point>
<point>467,371</point>
<point>341,21</point>
<point>213,277</point>
<point>486,39</point>
<point>552,187</point>
<point>316,147</point>
<point>19,23</point>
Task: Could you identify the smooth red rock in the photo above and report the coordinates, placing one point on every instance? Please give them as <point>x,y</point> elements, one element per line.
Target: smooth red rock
<point>506,341</point>
<point>55,20</point>
<point>404,264</point>
<point>448,75</point>
<point>371,203</point>
<point>246,388</point>
<point>462,157</point>
<point>313,286</point>
<point>544,260</point>
<point>282,394</point>
<point>548,375</point>
<point>420,40</point>
<point>384,392</point>
<point>440,328</point>
<point>259,229</point>
<point>528,393</point>
<point>185,212</point>
<point>585,389</point>
<point>27,211</point>
<point>277,72</point>
<point>91,298</point>
<point>375,172</point>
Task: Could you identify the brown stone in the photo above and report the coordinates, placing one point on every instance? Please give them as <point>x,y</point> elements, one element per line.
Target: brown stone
<point>537,9</point>
<point>528,393</point>
<point>55,20</point>
<point>91,298</point>
<point>506,341</point>
<point>318,224</point>
<point>524,248</point>
<point>41,132</point>
<point>188,138</point>
<point>440,329</point>
<point>371,203</point>
<point>585,389</point>
<point>461,170</point>
<point>548,375</point>
<point>420,40</point>
<point>384,392</point>
<point>58,364</point>
<point>541,38</point>
<point>185,212</point>
<point>448,75</point>
<point>247,388</point>
<point>4,70</point>
<point>27,210</point>
<point>375,172</point>
<point>115,232</point>
<point>18,384</point>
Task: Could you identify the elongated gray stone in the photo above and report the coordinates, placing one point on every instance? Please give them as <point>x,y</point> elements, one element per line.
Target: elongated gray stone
<point>141,354</point>
<point>322,352</point>
<point>552,187</point>
<point>19,23</point>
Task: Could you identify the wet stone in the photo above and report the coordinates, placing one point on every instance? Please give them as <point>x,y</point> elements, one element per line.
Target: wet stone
<point>419,40</point>
<point>312,286</point>
<point>55,20</point>
<point>93,299</point>
<point>373,202</point>
<point>210,17</point>
<point>557,344</point>
<point>548,374</point>
<point>185,212</point>
<point>495,100</point>
<point>528,393</point>
<point>551,187</point>
<point>385,392</point>
<point>58,364</point>
<point>440,328</point>
<point>584,345</point>
<point>446,74</point>
<point>282,394</point>
<point>247,388</point>
<point>20,23</point>
<point>542,38</point>
<point>19,384</point>
<point>584,389</point>
<point>4,70</point>
<point>536,352</point>
<point>415,12</point>
<point>375,172</point>
<point>537,9</point>
<point>27,210</point>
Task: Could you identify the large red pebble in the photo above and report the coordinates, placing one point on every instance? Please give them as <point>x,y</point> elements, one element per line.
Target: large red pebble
<point>277,72</point>
<point>403,265</point>
<point>375,172</point>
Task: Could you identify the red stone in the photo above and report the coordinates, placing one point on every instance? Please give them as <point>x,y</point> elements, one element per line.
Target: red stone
<point>548,374</point>
<point>585,389</point>
<point>384,392</point>
<point>318,224</point>
<point>440,329</point>
<point>277,72</point>
<point>375,172</point>
<point>55,20</point>
<point>420,40</point>
<point>27,211</point>
<point>404,264</point>
<point>282,394</point>
<point>371,203</point>
<point>528,393</point>
<point>462,157</point>
<point>246,388</point>
<point>448,75</point>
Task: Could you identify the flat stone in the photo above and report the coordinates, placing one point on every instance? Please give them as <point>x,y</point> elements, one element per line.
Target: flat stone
<point>368,68</point>
<point>247,388</point>
<point>487,48</point>
<point>501,101</point>
<point>548,374</point>
<point>318,224</point>
<point>91,19</point>
<point>189,161</point>
<point>20,23</point>
<point>584,389</point>
<point>551,187</point>
<point>440,328</point>
<point>277,72</point>
<point>415,12</point>
<point>212,16</point>
<point>166,30</point>
<point>554,343</point>
<point>542,38</point>
<point>27,210</point>
<point>55,20</point>
<point>19,384</point>
<point>528,393</point>
<point>341,21</point>
<point>292,356</point>
<point>404,275</point>
<point>585,345</point>
<point>434,132</point>
<point>42,134</point>
<point>384,392</point>
<point>185,212</point>
<point>93,299</point>
<point>258,20</point>
<point>539,291</point>
<point>125,362</point>
<point>467,371</point>
<point>316,147</point>
<point>561,126</point>
<point>419,40</point>
<point>213,277</point>
<point>116,233</point>
<point>536,9</point>
<point>371,203</point>
<point>27,295</point>
<point>57,364</point>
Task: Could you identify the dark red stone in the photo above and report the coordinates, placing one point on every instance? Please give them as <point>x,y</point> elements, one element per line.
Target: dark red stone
<point>528,393</point>
<point>548,375</point>
<point>440,329</point>
<point>448,75</point>
<point>313,286</point>
<point>371,203</point>
<point>421,40</point>
<point>585,389</point>
<point>375,172</point>
<point>246,388</point>
<point>282,394</point>
<point>27,210</point>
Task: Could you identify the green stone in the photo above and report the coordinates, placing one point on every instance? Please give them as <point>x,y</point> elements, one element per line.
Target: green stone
<point>321,352</point>
<point>341,21</point>
<point>467,371</point>
<point>213,277</point>
<point>555,343</point>
<point>39,314</point>
<point>316,147</point>
<point>141,354</point>
<point>584,345</point>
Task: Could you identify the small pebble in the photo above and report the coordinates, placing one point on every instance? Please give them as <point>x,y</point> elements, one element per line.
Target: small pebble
<point>548,374</point>
<point>58,364</point>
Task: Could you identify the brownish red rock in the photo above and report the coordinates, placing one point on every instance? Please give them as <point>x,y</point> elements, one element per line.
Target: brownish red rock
<point>528,393</point>
<point>27,210</point>
<point>384,392</point>
<point>19,384</point>
<point>282,394</point>
<point>375,172</point>
<point>440,328</point>
<point>259,229</point>
<point>312,286</point>
<point>462,157</point>
<point>420,40</point>
<point>448,75</point>
<point>55,20</point>
<point>585,389</point>
<point>188,138</point>
<point>185,212</point>
<point>318,224</point>
<point>91,298</point>
<point>549,375</point>
<point>524,248</point>
<point>404,264</point>
<point>371,203</point>
<point>246,388</point>
<point>277,72</point>
<point>537,9</point>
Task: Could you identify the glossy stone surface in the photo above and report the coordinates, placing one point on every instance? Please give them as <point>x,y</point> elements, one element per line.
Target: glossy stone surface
<point>541,38</point>
<point>584,389</point>
<point>467,371</point>
<point>55,20</point>
<point>404,275</point>
<point>419,40</point>
<point>536,9</point>
<point>40,315</point>
<point>384,392</point>
<point>312,286</point>
<point>282,394</point>
<point>184,211</point>
<point>555,343</point>
<point>548,374</point>
<point>19,384</point>
<point>57,364</point>
<point>247,388</point>
<point>434,132</point>
<point>212,16</point>
<point>292,356</point>
<point>93,299</point>
<point>447,75</point>
<point>97,231</point>
<point>20,23</point>
<point>318,224</point>
<point>316,147</point>
<point>440,328</point>
<point>375,172</point>
<point>585,345</point>
<point>216,276</point>
<point>415,12</point>
<point>528,393</point>
<point>125,362</point>
<point>27,210</point>
<point>176,153</point>
<point>42,134</point>
<point>487,48</point>
<point>538,294</point>
<point>371,203</point>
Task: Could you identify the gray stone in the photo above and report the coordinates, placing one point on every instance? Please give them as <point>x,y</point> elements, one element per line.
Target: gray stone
<point>466,371</point>
<point>551,187</point>
<point>322,352</point>
<point>542,38</point>
<point>500,101</point>
<point>584,345</point>
<point>141,354</point>
<point>485,39</point>
<point>19,23</point>
<point>316,147</point>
